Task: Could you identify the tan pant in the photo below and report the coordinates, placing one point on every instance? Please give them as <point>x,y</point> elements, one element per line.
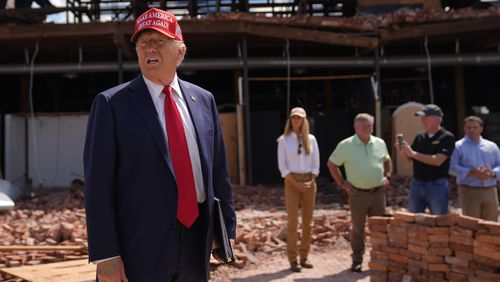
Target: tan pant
<point>294,199</point>
<point>479,202</point>
<point>362,204</point>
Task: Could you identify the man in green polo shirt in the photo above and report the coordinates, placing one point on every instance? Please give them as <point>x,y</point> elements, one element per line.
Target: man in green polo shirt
<point>368,168</point>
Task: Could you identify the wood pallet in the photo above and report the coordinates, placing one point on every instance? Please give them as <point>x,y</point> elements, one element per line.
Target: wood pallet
<point>68,271</point>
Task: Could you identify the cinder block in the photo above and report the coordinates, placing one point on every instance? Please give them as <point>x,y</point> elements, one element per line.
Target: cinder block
<point>440,251</point>
<point>433,258</point>
<point>486,261</point>
<point>417,249</point>
<point>492,227</point>
<point>398,258</point>
<point>421,243</point>
<point>404,216</point>
<point>378,255</point>
<point>464,256</point>
<point>439,238</point>
<point>396,270</point>
<point>468,222</point>
<point>462,269</point>
<point>417,263</point>
<point>377,266</point>
<point>426,219</point>
<point>378,220</point>
<point>447,220</point>
<point>440,245</point>
<point>488,250</point>
<point>437,230</point>
<point>397,265</point>
<point>488,275</point>
<point>442,267</point>
<point>461,248</point>
<point>482,267</point>
<point>487,238</point>
<point>454,238</point>
<point>456,277</point>
<point>457,261</point>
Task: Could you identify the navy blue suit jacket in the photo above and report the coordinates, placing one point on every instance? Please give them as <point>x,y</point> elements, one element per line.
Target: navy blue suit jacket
<point>130,189</point>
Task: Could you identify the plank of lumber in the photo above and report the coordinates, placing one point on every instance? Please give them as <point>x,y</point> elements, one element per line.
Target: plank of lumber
<point>42,248</point>
<point>319,36</point>
<point>68,271</point>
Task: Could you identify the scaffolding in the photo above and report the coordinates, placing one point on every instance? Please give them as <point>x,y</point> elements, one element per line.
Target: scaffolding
<point>78,11</point>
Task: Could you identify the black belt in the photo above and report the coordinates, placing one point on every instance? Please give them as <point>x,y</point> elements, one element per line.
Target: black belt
<point>428,180</point>
<point>371,190</point>
<point>477,187</point>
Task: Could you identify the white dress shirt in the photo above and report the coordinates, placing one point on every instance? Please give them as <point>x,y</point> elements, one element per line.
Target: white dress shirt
<point>290,161</point>
<point>155,90</point>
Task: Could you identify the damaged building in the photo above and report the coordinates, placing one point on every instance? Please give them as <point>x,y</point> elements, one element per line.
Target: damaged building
<point>259,58</point>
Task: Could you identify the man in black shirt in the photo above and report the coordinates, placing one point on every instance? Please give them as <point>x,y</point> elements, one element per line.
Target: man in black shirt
<point>430,153</point>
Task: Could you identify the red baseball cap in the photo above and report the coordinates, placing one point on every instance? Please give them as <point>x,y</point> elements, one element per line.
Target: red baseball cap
<point>159,20</point>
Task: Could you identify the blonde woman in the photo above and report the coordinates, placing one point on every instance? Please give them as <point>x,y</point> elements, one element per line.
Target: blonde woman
<point>298,162</point>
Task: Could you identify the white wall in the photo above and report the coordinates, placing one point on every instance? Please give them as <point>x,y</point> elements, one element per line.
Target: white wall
<point>55,149</point>
<point>14,150</point>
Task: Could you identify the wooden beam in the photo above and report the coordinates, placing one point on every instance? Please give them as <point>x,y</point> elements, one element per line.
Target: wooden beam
<point>43,248</point>
<point>21,32</point>
<point>43,31</point>
<point>439,29</point>
<point>212,27</point>
<point>319,36</point>
<point>67,271</point>
<point>280,31</point>
<point>460,98</point>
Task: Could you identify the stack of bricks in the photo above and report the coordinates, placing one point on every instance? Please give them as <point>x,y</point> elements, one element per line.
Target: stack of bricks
<point>423,247</point>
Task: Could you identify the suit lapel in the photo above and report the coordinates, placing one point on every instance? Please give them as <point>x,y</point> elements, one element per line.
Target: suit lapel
<point>142,102</point>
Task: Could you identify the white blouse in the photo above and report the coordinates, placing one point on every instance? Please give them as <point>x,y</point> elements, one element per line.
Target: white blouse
<point>289,160</point>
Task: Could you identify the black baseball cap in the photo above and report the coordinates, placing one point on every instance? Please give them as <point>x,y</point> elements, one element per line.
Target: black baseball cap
<point>430,110</point>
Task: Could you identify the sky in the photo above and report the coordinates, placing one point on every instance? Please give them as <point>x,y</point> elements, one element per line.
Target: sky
<point>60,17</point>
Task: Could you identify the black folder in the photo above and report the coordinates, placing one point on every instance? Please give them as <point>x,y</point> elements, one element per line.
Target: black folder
<point>222,245</point>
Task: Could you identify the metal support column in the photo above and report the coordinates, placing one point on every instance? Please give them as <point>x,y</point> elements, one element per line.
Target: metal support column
<point>378,95</point>
<point>120,65</point>
<point>246,99</point>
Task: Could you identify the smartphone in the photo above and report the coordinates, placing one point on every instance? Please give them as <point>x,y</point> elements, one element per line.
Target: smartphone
<point>400,138</point>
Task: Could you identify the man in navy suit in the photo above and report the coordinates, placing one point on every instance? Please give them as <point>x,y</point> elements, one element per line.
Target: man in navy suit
<point>154,161</point>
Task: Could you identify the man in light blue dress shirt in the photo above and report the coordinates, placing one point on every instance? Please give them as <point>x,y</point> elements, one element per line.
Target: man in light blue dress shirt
<point>476,164</point>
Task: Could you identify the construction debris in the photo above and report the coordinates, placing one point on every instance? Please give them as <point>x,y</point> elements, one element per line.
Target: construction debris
<point>50,226</point>
<point>44,228</point>
<point>363,23</point>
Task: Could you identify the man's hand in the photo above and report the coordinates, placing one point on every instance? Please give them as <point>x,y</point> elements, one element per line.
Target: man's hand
<point>475,172</point>
<point>303,187</point>
<point>404,149</point>
<point>485,172</point>
<point>111,271</point>
<point>386,183</point>
<point>348,188</point>
<point>308,185</point>
<point>407,151</point>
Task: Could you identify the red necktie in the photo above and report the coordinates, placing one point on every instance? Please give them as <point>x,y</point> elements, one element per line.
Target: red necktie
<point>187,205</point>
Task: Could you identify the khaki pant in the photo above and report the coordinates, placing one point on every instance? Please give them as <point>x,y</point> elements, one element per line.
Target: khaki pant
<point>479,202</point>
<point>294,199</point>
<point>362,204</point>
